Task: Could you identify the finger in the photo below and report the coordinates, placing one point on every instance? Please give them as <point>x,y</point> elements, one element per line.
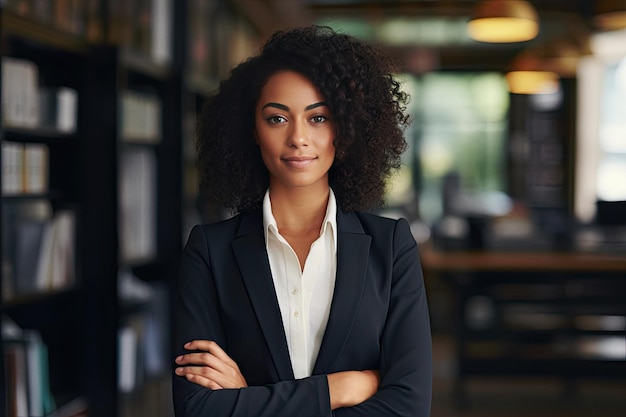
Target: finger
<point>211,347</point>
<point>213,363</point>
<point>208,366</point>
<point>201,372</point>
<point>202,359</point>
<point>202,381</point>
<point>225,376</point>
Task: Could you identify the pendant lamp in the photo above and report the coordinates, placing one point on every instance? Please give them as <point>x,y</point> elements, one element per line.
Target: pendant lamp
<point>610,14</point>
<point>530,75</point>
<point>503,21</point>
<point>538,69</point>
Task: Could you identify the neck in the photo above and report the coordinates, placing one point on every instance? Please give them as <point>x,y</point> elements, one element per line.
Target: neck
<point>299,210</point>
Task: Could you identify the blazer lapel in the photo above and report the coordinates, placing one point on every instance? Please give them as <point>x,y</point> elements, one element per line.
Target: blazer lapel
<point>352,257</point>
<point>251,255</point>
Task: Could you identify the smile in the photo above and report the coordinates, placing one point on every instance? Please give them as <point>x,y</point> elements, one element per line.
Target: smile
<point>299,162</point>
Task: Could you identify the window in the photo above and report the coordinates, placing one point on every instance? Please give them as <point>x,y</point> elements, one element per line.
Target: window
<point>459,129</point>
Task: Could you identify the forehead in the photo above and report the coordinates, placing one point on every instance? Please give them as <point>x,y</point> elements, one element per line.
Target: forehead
<point>289,85</point>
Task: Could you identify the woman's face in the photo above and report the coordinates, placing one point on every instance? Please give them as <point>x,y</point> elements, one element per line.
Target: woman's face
<point>295,131</point>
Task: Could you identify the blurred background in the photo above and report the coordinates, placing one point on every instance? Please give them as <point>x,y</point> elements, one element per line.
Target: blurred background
<point>514,183</point>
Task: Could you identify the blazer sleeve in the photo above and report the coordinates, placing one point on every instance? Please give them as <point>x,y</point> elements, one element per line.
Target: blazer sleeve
<point>406,345</point>
<point>197,316</point>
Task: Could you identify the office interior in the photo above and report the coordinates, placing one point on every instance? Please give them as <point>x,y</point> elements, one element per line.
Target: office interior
<point>516,193</point>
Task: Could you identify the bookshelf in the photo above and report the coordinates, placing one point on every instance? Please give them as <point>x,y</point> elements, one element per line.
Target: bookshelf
<point>81,116</point>
<point>98,122</point>
<point>42,288</point>
<point>217,37</point>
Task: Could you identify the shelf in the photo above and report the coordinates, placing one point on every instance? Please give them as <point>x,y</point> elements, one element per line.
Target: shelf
<point>18,134</point>
<point>18,198</point>
<point>201,85</point>
<point>80,324</point>
<point>45,297</point>
<point>144,65</point>
<point>13,25</point>
<point>140,143</point>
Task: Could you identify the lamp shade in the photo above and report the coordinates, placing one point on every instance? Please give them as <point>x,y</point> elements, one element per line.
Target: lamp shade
<point>610,14</point>
<point>537,69</point>
<point>532,82</point>
<point>503,21</point>
<point>529,74</point>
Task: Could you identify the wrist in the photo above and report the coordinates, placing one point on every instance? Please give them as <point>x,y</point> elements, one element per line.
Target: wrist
<point>338,384</point>
<point>349,388</point>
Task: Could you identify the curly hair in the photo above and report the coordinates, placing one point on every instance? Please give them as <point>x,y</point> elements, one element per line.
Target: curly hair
<point>367,104</point>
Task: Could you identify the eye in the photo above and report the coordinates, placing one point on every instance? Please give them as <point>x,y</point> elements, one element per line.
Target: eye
<point>276,119</point>
<point>318,119</point>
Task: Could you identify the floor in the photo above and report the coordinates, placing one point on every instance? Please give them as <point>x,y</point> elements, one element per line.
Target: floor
<point>506,397</point>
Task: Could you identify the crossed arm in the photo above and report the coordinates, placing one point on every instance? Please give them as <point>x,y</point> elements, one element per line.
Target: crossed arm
<point>209,382</point>
<point>211,367</point>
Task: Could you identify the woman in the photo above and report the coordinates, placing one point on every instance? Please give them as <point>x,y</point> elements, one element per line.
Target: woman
<point>302,304</point>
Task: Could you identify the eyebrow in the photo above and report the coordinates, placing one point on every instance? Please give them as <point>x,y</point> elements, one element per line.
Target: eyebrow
<point>307,108</point>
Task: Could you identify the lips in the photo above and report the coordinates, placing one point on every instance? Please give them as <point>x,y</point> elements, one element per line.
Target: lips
<point>299,161</point>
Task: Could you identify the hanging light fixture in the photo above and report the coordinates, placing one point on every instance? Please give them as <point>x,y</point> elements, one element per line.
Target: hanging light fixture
<point>537,70</point>
<point>502,21</point>
<point>529,74</point>
<point>610,14</point>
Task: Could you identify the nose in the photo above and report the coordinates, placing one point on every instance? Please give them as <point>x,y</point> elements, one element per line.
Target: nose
<point>298,136</point>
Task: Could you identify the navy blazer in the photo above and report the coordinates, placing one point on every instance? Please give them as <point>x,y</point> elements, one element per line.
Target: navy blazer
<point>378,320</point>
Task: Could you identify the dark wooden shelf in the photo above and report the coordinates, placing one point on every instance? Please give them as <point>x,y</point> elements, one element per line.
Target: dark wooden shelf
<point>43,296</point>
<point>200,85</point>
<point>14,25</point>
<point>23,134</point>
<point>143,64</point>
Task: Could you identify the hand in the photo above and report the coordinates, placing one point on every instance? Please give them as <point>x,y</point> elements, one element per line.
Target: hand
<point>211,368</point>
<point>350,388</point>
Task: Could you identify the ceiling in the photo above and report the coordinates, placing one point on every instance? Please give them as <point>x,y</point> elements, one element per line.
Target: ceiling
<point>424,34</point>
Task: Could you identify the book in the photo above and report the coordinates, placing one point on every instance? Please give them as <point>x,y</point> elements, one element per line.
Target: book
<point>69,16</point>
<point>17,398</point>
<point>40,399</point>
<point>58,108</point>
<point>26,356</point>
<point>120,18</point>
<point>161,49</point>
<point>20,7</point>
<point>128,359</point>
<point>140,117</point>
<point>23,224</point>
<point>142,24</point>
<point>20,97</point>
<point>56,262</point>
<point>137,204</point>
<point>94,21</point>
<point>28,244</point>
<point>35,168</point>
<point>201,37</point>
<point>12,168</point>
